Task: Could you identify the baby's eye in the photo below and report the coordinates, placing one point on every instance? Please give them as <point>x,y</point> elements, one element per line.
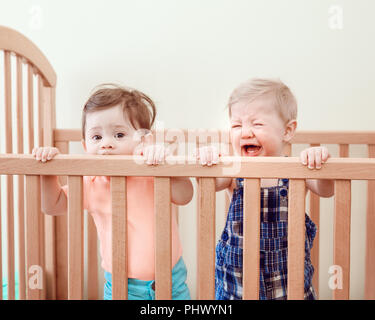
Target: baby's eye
<point>258,124</point>
<point>96,137</point>
<point>235,126</point>
<point>119,135</point>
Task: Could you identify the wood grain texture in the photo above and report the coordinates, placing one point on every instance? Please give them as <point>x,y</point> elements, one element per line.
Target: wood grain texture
<point>32,236</point>
<point>75,238</point>
<point>341,231</point>
<point>206,239</point>
<point>163,240</point>
<point>370,235</point>
<point>119,239</point>
<point>251,239</point>
<point>296,239</point>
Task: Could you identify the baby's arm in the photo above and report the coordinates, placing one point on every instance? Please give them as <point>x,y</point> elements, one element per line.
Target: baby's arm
<point>209,155</point>
<point>53,198</point>
<point>314,157</point>
<point>181,190</point>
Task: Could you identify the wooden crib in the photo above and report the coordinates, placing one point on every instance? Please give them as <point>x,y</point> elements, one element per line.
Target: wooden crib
<point>55,244</point>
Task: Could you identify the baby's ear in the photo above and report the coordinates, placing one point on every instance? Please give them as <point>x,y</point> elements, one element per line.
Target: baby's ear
<point>290,130</point>
<point>84,145</point>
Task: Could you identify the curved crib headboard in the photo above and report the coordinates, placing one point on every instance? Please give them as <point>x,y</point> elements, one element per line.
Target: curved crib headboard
<point>28,99</point>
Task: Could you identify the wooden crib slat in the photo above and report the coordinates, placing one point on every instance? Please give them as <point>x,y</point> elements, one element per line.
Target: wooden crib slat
<point>21,207</point>
<point>119,239</point>
<point>9,179</point>
<point>33,291</point>
<point>92,259</point>
<point>341,243</point>
<point>75,238</point>
<point>30,106</point>
<point>251,239</point>
<point>42,216</point>
<point>46,122</point>
<point>296,239</point>
<point>163,243</point>
<point>206,239</point>
<point>315,217</point>
<point>344,150</point>
<point>61,241</point>
<point>8,102</point>
<point>370,236</point>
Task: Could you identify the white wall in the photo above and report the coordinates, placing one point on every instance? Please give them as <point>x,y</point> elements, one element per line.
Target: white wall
<point>189,55</point>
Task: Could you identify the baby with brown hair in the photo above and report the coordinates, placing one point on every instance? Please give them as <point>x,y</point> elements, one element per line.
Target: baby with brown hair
<point>114,121</point>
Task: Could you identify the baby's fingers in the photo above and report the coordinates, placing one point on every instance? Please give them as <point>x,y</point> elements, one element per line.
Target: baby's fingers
<point>325,154</point>
<point>209,156</point>
<point>215,156</point>
<point>203,156</point>
<point>303,157</point>
<point>318,158</point>
<point>311,158</point>
<point>159,155</point>
<point>37,152</point>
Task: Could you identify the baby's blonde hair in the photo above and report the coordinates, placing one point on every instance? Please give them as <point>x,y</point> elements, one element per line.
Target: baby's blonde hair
<point>285,102</point>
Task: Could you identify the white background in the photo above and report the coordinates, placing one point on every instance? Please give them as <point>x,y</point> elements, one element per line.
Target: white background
<point>189,55</point>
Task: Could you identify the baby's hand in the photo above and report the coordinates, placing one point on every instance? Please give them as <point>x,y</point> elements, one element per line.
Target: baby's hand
<point>155,154</point>
<point>314,157</point>
<point>208,155</point>
<point>44,153</point>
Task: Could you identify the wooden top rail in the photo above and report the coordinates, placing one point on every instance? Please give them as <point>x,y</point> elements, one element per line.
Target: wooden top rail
<point>301,137</point>
<point>13,41</point>
<point>178,166</point>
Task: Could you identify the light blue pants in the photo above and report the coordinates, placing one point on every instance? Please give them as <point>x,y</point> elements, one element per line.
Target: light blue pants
<point>142,290</point>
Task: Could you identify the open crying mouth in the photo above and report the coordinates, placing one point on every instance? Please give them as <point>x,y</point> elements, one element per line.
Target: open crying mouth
<point>252,149</point>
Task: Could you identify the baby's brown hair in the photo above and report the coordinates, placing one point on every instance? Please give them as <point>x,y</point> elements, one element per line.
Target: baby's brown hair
<point>137,106</point>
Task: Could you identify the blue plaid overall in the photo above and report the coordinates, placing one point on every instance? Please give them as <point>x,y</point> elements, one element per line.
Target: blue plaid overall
<point>273,247</point>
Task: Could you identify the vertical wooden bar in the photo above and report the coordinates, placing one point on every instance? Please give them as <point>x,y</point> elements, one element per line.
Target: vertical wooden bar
<point>206,239</point>
<point>46,125</point>
<point>9,188</point>
<point>163,241</point>
<point>30,109</point>
<point>92,259</point>
<point>341,242</point>
<point>315,217</point>
<point>35,279</point>
<point>21,208</point>
<point>251,239</point>
<point>370,235</point>
<point>296,239</point>
<point>75,238</point>
<point>41,216</point>
<point>344,150</point>
<point>61,242</point>
<point>119,239</point>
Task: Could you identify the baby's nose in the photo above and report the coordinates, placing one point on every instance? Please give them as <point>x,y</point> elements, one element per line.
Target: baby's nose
<point>107,144</point>
<point>247,132</point>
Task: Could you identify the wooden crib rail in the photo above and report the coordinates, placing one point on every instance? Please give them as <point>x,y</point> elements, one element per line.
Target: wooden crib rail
<point>178,166</point>
<point>30,96</point>
<point>13,41</point>
<point>344,139</point>
<point>118,167</point>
